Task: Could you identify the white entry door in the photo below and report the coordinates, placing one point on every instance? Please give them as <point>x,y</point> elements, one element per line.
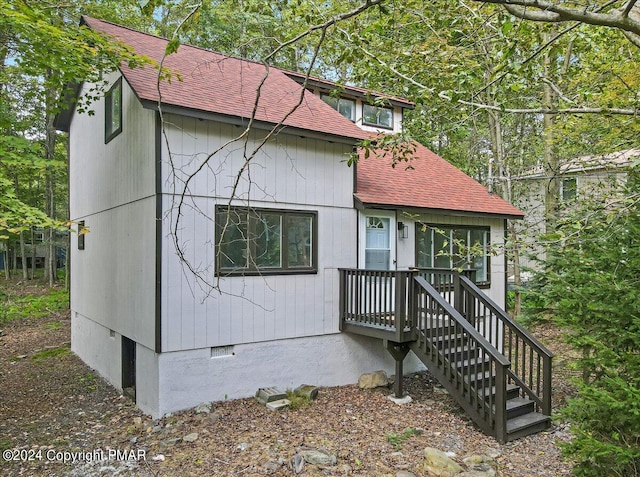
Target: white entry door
<point>377,242</point>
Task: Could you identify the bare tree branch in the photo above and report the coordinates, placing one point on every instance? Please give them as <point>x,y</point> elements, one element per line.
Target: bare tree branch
<point>617,111</point>
<point>181,186</point>
<point>557,12</point>
<point>628,8</point>
<point>577,110</point>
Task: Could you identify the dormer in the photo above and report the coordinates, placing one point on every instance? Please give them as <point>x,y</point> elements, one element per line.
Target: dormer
<point>371,111</point>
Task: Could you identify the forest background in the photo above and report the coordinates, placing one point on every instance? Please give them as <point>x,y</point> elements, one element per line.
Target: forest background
<point>499,90</point>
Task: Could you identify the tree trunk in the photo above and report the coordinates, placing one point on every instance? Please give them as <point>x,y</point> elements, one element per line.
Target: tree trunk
<point>517,276</point>
<point>550,160</point>
<point>5,252</point>
<point>23,257</point>
<point>34,254</point>
<point>50,144</point>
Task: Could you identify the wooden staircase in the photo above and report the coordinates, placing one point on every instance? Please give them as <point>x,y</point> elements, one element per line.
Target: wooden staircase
<point>495,370</point>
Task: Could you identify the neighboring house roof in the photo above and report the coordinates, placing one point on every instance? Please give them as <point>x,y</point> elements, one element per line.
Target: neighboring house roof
<point>223,85</point>
<point>583,164</point>
<point>427,181</point>
<point>354,91</point>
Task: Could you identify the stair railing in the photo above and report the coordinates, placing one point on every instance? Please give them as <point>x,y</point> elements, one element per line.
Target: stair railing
<point>531,361</point>
<point>466,364</point>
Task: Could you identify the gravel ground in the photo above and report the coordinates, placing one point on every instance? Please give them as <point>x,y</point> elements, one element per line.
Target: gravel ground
<point>52,404</point>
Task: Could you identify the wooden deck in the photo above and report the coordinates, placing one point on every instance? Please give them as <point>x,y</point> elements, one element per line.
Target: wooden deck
<point>497,371</point>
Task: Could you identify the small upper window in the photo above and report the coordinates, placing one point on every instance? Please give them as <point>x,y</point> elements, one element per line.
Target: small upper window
<point>377,116</point>
<point>569,188</point>
<point>113,111</point>
<point>346,107</point>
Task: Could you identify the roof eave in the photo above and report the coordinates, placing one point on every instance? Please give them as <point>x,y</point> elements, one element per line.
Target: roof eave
<point>435,210</point>
<point>62,121</point>
<point>359,93</point>
<point>244,122</point>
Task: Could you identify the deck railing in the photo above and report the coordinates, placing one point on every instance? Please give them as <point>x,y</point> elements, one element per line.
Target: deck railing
<point>378,299</point>
<point>530,361</point>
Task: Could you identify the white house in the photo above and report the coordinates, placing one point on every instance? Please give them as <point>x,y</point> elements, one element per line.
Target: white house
<point>154,176</point>
<point>595,178</point>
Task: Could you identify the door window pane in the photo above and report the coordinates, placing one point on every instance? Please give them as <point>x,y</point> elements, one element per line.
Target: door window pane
<point>377,254</point>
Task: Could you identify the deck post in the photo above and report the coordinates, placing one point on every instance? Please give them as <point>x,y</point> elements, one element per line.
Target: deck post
<point>546,386</point>
<point>400,308</point>
<point>458,302</point>
<point>399,351</point>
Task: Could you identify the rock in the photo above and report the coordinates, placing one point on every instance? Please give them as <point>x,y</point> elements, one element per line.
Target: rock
<point>265,395</point>
<point>158,458</point>
<point>405,473</point>
<point>406,399</point>
<point>492,453</point>
<point>373,380</point>
<point>483,470</point>
<point>480,463</point>
<point>475,473</point>
<point>173,441</point>
<point>214,416</point>
<point>316,457</point>
<point>475,459</point>
<point>271,466</point>
<point>243,446</point>
<point>204,408</point>
<point>437,463</point>
<point>297,463</point>
<point>279,404</point>
<point>307,390</point>
<point>137,421</point>
<point>191,437</point>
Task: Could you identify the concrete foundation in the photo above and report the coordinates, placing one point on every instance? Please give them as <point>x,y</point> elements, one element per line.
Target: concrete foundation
<point>169,382</point>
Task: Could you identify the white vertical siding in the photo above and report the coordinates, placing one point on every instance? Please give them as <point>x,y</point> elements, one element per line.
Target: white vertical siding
<point>290,172</point>
<point>112,189</point>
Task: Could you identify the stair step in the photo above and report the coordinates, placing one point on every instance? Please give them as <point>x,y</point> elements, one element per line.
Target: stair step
<point>441,341</point>
<point>470,362</point>
<point>527,424</point>
<point>513,392</point>
<point>461,352</point>
<point>519,406</point>
<point>480,379</point>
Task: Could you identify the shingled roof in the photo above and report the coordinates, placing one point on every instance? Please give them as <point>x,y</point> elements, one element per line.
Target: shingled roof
<point>223,85</point>
<point>212,83</point>
<point>427,181</point>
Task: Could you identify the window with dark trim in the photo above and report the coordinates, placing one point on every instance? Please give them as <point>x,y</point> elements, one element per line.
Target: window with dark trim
<point>569,188</point>
<point>265,241</point>
<point>345,106</point>
<point>113,111</point>
<point>455,247</point>
<point>377,116</point>
<point>82,232</point>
